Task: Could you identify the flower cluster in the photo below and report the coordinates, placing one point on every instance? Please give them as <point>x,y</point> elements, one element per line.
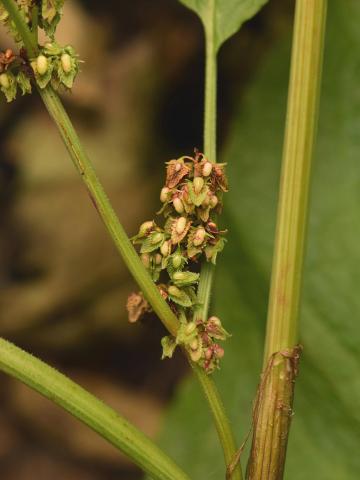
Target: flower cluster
<point>55,65</point>
<point>191,198</point>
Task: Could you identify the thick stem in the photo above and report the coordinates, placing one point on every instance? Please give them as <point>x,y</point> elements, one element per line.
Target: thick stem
<point>271,422</point>
<point>90,410</point>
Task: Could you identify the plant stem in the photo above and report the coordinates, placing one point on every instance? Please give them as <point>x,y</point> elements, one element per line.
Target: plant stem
<point>222,422</point>
<point>105,210</point>
<point>272,419</point>
<point>90,410</point>
<point>128,253</point>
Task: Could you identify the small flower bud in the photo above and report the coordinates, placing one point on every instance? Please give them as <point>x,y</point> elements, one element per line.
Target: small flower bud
<point>208,353</point>
<point>174,291</point>
<point>190,328</point>
<point>206,201</point>
<point>157,238</point>
<point>41,64</point>
<point>145,228</point>
<point>199,236</point>
<point>145,258</point>
<point>180,225</point>
<point>158,259</point>
<point>178,167</point>
<point>66,62</point>
<point>194,345</point>
<point>215,321</point>
<point>4,81</point>
<point>178,205</point>
<point>179,275</point>
<point>219,351</point>
<point>164,194</point>
<point>207,168</point>
<point>176,260</point>
<point>165,249</point>
<point>198,184</point>
<point>214,201</point>
<point>195,355</point>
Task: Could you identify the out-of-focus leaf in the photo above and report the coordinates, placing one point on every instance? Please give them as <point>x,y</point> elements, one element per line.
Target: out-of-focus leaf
<point>223,18</point>
<point>325,434</point>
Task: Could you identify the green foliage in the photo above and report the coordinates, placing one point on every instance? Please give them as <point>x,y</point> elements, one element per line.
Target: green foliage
<point>325,434</point>
<point>223,18</point>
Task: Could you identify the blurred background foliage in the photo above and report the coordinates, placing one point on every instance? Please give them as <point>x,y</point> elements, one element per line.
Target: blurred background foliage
<point>138,103</point>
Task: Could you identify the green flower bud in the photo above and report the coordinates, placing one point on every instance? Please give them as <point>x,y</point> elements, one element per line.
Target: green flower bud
<point>178,205</point>
<point>199,236</point>
<point>190,327</point>
<point>165,249</point>
<point>41,64</point>
<point>174,291</point>
<point>4,81</point>
<point>198,184</point>
<point>176,260</point>
<point>145,228</point>
<point>164,194</point>
<point>180,225</point>
<point>66,62</point>
<point>156,238</point>
<point>145,258</point>
<point>179,275</point>
<point>207,168</point>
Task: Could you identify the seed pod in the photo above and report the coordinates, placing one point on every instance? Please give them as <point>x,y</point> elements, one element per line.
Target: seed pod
<point>198,184</point>
<point>219,351</point>
<point>145,258</point>
<point>165,249</point>
<point>190,327</point>
<point>4,81</point>
<point>41,64</point>
<point>176,260</point>
<point>214,201</point>
<point>195,355</point>
<point>66,62</point>
<point>199,236</point>
<point>207,168</point>
<point>158,259</point>
<point>174,291</point>
<point>178,205</point>
<point>164,194</point>
<point>156,238</point>
<point>180,225</point>
<point>145,228</point>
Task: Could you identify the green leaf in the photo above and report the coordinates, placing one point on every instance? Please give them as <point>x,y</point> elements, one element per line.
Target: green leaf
<point>325,433</point>
<point>223,18</point>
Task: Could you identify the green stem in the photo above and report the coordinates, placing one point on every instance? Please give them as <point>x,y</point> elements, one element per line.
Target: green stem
<point>105,210</point>
<point>273,410</point>
<point>102,204</point>
<point>222,422</point>
<point>90,410</point>
<point>292,217</point>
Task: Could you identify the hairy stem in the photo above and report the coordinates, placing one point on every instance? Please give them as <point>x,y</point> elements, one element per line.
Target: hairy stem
<point>272,418</point>
<point>90,410</point>
<point>125,248</point>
